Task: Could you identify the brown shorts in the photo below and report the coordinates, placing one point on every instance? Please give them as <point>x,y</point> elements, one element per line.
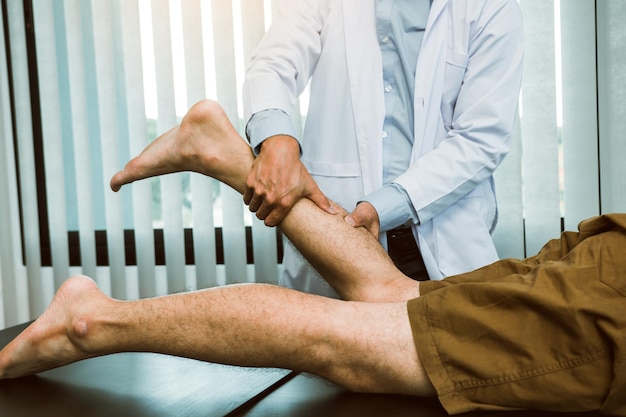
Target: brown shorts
<point>548,332</point>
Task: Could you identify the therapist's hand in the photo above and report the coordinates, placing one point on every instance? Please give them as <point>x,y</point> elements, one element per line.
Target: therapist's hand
<point>365,215</point>
<point>278,179</point>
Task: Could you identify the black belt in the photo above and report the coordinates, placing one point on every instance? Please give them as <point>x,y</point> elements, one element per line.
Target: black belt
<point>405,254</point>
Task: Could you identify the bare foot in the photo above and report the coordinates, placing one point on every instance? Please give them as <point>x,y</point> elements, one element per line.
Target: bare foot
<point>204,142</point>
<point>54,339</point>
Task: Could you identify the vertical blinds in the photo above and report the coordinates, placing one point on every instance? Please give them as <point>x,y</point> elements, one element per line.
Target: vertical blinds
<point>113,74</point>
<point>551,175</point>
<point>8,206</point>
<point>612,95</point>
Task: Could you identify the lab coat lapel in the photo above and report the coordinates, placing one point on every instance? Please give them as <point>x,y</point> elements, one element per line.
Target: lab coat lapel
<point>366,86</point>
<point>429,78</point>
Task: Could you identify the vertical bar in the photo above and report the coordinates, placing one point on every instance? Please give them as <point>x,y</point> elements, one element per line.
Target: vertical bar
<point>611,109</point>
<point>232,207</point>
<point>253,26</point>
<point>132,93</point>
<point>263,238</point>
<point>77,42</point>
<point>105,88</point>
<point>9,302</point>
<point>201,187</point>
<point>509,233</point>
<point>539,128</point>
<point>37,296</point>
<point>48,17</point>
<point>580,124</point>
<point>171,190</point>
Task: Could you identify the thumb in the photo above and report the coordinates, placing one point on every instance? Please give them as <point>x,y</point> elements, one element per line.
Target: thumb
<point>352,220</point>
<point>317,196</point>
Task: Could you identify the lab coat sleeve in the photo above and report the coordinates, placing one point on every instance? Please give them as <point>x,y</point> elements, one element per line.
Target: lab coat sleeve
<point>268,123</point>
<point>482,118</point>
<point>282,64</point>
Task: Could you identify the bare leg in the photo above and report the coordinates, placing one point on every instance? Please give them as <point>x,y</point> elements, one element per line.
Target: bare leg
<point>365,347</point>
<point>350,259</point>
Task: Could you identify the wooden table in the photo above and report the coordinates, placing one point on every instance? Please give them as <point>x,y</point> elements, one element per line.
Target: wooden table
<point>152,385</point>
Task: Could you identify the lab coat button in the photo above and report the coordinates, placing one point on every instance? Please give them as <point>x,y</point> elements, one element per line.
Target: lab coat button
<point>388,88</point>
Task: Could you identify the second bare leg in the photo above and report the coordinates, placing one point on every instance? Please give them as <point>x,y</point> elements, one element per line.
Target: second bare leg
<point>365,347</point>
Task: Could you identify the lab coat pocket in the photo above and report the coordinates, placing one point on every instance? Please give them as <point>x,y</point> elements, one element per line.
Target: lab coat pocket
<point>341,182</point>
<point>456,64</point>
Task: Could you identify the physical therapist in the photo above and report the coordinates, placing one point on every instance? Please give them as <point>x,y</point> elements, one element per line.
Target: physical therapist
<point>412,104</point>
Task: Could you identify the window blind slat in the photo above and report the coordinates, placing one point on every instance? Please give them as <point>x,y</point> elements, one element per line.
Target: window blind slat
<point>202,189</point>
<point>263,238</point>
<point>171,189</point>
<point>37,296</point>
<point>224,57</point>
<point>233,234</point>
<point>193,50</point>
<point>581,192</point>
<point>509,233</point>
<point>226,89</point>
<point>265,253</point>
<point>253,26</point>
<point>80,135</point>
<point>110,143</point>
<point>201,186</point>
<point>6,285</point>
<point>9,241</point>
<point>127,14</point>
<point>539,130</point>
<point>49,21</point>
<point>612,96</point>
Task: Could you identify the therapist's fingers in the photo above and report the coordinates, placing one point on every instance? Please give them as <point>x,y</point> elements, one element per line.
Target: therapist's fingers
<point>313,193</point>
<point>365,215</point>
<point>247,196</point>
<point>271,217</point>
<point>273,214</point>
<point>254,203</point>
<point>274,183</point>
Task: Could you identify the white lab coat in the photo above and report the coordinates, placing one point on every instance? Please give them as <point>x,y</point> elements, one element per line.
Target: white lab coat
<point>468,78</point>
